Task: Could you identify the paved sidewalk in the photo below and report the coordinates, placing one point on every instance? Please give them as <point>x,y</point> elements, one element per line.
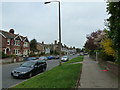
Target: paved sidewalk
<point>93,77</point>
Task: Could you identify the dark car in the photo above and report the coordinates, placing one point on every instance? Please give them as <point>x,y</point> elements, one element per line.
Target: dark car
<point>29,68</point>
<point>50,57</point>
<point>30,58</point>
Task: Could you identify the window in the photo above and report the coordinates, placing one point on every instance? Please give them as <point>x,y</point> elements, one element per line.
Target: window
<point>25,44</point>
<point>8,41</point>
<point>17,42</point>
<point>14,52</point>
<point>17,51</point>
<point>25,52</point>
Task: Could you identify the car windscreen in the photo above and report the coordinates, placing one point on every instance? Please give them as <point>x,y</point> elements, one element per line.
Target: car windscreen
<point>28,64</point>
<point>31,58</point>
<point>64,57</point>
<point>41,57</point>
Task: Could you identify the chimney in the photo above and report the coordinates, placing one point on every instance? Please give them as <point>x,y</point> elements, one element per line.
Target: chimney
<point>11,31</point>
<point>55,42</point>
<point>42,42</point>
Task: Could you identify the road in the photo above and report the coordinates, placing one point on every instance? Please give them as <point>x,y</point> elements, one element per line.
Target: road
<point>8,81</point>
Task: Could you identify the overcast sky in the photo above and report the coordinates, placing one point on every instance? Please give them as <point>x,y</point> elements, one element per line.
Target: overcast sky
<point>40,21</point>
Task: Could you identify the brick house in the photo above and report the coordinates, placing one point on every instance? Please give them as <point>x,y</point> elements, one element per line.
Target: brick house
<point>46,48</point>
<point>40,48</point>
<point>14,44</point>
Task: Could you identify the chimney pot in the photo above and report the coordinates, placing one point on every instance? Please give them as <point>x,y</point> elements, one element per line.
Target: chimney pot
<point>11,31</point>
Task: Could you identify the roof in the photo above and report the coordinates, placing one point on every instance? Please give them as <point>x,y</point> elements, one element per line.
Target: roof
<point>8,35</point>
<point>12,36</point>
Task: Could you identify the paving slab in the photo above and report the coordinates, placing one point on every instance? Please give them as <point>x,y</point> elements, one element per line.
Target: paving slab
<point>93,76</point>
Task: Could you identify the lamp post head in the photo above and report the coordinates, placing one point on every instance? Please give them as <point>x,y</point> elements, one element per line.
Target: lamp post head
<point>46,2</point>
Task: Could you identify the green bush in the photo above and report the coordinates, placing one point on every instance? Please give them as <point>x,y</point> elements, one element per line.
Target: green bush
<point>91,52</point>
<point>0,54</point>
<point>106,57</point>
<point>54,52</point>
<point>33,55</point>
<point>42,54</point>
<point>4,55</point>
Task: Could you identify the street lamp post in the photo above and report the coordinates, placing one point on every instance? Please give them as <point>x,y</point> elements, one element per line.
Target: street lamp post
<point>59,29</point>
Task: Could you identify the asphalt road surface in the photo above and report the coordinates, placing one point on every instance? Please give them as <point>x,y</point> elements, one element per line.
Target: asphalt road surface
<point>8,80</point>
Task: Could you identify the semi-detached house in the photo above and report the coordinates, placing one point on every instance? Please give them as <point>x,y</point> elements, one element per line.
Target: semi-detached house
<point>14,44</point>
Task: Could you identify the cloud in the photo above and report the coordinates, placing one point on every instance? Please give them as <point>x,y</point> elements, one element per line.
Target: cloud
<point>36,20</point>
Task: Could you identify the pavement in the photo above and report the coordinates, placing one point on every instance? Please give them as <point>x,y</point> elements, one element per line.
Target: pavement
<point>93,76</point>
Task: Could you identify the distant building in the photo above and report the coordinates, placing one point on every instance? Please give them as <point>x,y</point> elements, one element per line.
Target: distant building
<point>14,44</point>
<point>40,48</point>
<point>72,50</point>
<point>46,48</point>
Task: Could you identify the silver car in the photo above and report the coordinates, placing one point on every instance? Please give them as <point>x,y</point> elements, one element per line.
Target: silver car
<point>42,58</point>
<point>65,58</point>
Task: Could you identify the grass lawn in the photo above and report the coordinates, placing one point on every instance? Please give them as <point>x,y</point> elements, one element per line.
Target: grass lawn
<point>64,76</point>
<point>77,59</point>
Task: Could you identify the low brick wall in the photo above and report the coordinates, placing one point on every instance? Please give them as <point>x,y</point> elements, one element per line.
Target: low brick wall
<point>11,60</point>
<point>92,57</point>
<point>112,67</point>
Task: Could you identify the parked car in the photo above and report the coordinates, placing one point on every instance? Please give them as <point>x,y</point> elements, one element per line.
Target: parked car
<point>50,57</point>
<point>64,58</point>
<point>30,58</point>
<point>81,54</point>
<point>57,57</point>
<point>42,58</point>
<point>29,68</point>
<point>85,53</point>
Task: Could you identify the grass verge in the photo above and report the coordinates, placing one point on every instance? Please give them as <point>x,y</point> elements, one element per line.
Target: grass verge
<point>64,76</point>
<point>77,59</point>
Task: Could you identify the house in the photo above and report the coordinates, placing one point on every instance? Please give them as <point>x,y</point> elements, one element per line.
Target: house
<point>54,47</point>
<point>46,48</point>
<point>14,44</point>
<point>65,49</point>
<point>40,48</point>
<point>72,50</point>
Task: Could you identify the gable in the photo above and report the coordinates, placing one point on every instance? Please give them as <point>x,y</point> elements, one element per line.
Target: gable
<point>1,35</point>
<point>26,39</point>
<point>18,38</point>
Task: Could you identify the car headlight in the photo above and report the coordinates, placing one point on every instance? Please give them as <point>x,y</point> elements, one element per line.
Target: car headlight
<point>12,71</point>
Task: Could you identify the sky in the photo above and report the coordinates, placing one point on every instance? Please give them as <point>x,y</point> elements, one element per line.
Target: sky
<point>40,21</point>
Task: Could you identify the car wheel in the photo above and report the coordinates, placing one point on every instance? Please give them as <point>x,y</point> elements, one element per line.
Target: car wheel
<point>44,69</point>
<point>30,75</point>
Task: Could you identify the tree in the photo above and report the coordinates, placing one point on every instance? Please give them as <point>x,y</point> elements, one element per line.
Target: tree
<point>93,40</point>
<point>78,50</point>
<point>107,47</point>
<point>113,8</point>
<point>33,45</point>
